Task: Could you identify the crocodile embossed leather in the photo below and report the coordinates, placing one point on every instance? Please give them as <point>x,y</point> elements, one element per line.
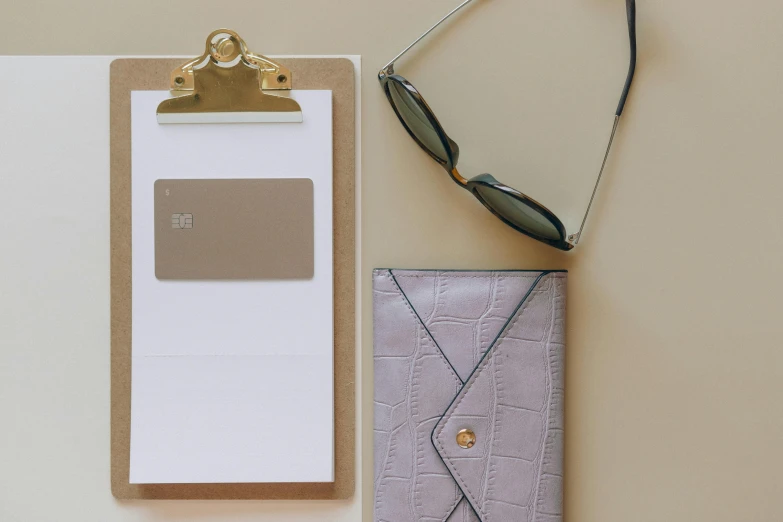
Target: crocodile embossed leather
<point>468,395</point>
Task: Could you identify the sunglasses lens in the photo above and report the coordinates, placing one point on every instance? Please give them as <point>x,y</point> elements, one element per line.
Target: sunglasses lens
<point>518,213</point>
<point>414,117</point>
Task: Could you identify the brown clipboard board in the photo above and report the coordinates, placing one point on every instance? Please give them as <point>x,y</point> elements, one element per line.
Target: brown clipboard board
<point>337,75</point>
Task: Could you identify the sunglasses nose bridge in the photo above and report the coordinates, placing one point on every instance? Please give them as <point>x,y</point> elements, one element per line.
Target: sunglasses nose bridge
<point>456,176</point>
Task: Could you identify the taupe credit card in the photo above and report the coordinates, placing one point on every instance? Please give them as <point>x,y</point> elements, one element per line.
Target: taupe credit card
<point>234,229</point>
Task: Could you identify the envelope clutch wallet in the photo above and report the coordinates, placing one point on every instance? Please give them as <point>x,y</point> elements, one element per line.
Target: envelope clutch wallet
<point>468,395</point>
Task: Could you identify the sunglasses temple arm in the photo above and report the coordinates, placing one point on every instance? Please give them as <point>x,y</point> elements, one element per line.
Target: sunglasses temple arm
<point>630,9</point>
<point>598,181</point>
<point>420,38</point>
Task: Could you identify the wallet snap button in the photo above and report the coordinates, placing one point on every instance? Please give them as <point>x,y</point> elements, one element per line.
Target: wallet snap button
<point>466,438</point>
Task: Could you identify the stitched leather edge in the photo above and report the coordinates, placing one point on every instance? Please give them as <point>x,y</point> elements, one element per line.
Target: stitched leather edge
<point>418,318</point>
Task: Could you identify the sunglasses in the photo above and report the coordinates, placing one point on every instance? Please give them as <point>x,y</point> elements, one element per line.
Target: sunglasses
<point>511,206</point>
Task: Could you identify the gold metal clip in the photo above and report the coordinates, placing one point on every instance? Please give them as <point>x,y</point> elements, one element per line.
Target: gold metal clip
<point>226,84</point>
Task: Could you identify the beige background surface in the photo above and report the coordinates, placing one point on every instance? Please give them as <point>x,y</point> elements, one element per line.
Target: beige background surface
<point>675,368</point>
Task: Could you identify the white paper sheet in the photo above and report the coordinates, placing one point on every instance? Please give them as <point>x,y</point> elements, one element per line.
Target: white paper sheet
<point>231,381</point>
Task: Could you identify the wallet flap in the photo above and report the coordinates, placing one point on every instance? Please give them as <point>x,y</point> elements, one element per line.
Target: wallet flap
<point>511,406</point>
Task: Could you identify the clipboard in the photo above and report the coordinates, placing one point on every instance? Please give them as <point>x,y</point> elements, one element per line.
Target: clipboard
<point>335,74</point>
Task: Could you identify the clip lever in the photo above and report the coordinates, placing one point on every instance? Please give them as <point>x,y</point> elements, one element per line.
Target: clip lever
<point>226,85</point>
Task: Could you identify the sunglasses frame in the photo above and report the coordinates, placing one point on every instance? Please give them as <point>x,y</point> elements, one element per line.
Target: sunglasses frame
<point>483,180</point>
<point>387,76</point>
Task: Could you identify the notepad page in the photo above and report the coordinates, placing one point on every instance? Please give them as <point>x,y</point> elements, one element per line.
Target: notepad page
<point>232,381</point>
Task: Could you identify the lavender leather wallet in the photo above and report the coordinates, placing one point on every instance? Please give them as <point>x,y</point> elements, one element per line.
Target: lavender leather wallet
<point>468,395</point>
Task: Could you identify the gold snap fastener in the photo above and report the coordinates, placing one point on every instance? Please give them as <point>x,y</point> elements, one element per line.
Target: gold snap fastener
<point>466,438</point>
